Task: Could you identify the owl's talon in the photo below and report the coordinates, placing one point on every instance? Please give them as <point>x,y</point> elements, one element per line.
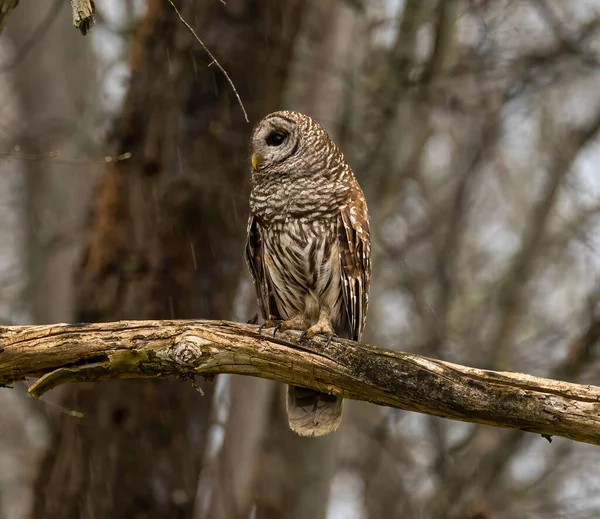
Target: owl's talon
<point>269,323</point>
<point>295,323</point>
<point>321,327</point>
<point>303,336</point>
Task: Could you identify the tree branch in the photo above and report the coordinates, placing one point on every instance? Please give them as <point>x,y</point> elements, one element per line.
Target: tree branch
<point>84,12</point>
<point>149,349</point>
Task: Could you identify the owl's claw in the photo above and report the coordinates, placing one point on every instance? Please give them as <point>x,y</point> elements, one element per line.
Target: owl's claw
<point>305,337</point>
<point>295,323</point>
<point>322,327</point>
<point>269,323</point>
<point>330,336</point>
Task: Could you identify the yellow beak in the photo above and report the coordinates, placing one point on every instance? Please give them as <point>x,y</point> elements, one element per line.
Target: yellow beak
<point>255,161</point>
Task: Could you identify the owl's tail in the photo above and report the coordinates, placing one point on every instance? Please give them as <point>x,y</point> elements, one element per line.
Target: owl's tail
<point>311,413</point>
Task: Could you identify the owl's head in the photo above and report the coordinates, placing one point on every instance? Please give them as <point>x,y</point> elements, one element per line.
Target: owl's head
<point>282,140</point>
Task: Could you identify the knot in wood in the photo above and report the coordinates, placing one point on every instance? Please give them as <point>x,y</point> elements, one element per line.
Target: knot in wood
<point>188,349</point>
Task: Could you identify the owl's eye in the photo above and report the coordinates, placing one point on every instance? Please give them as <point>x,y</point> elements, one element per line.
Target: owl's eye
<point>275,138</point>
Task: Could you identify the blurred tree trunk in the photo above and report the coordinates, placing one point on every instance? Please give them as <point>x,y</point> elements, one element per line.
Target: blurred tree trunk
<point>48,98</point>
<point>294,476</point>
<point>227,482</point>
<point>231,474</point>
<point>53,117</point>
<point>166,242</point>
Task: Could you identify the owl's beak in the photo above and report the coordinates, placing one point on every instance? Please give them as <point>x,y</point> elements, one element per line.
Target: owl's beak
<point>255,161</point>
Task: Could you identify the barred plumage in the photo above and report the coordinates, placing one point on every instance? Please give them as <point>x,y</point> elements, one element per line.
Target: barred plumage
<point>308,246</point>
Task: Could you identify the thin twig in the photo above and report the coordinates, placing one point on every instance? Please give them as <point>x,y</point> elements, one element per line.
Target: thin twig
<point>210,54</point>
<point>54,157</point>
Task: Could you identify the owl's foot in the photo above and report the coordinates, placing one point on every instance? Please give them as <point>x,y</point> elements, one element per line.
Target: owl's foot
<point>269,323</point>
<point>322,326</point>
<point>295,323</point>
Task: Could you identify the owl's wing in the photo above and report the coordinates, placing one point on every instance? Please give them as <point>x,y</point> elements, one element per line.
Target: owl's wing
<point>255,259</point>
<point>355,256</point>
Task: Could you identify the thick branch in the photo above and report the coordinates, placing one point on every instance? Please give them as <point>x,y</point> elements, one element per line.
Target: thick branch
<point>147,349</point>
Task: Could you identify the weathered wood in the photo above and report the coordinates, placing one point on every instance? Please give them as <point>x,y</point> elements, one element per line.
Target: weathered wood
<point>148,349</point>
<point>84,12</point>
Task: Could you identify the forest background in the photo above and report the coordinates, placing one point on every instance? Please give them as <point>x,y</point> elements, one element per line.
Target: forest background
<point>472,127</point>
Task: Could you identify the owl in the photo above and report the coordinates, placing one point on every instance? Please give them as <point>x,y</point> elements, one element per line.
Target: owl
<point>308,247</point>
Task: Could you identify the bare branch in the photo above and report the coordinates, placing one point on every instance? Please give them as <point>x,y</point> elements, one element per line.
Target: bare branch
<point>510,295</point>
<point>149,349</point>
<point>83,14</point>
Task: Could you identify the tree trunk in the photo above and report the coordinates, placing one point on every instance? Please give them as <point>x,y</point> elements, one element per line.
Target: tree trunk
<point>166,242</point>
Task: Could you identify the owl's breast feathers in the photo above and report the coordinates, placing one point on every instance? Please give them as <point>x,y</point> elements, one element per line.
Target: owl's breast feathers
<point>278,197</point>
<point>317,254</point>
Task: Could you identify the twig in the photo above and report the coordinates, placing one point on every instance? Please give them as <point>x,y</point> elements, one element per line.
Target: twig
<point>54,157</point>
<point>83,14</point>
<point>214,60</point>
<point>511,300</point>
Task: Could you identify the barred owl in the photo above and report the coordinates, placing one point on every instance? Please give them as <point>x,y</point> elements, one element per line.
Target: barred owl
<point>308,247</point>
